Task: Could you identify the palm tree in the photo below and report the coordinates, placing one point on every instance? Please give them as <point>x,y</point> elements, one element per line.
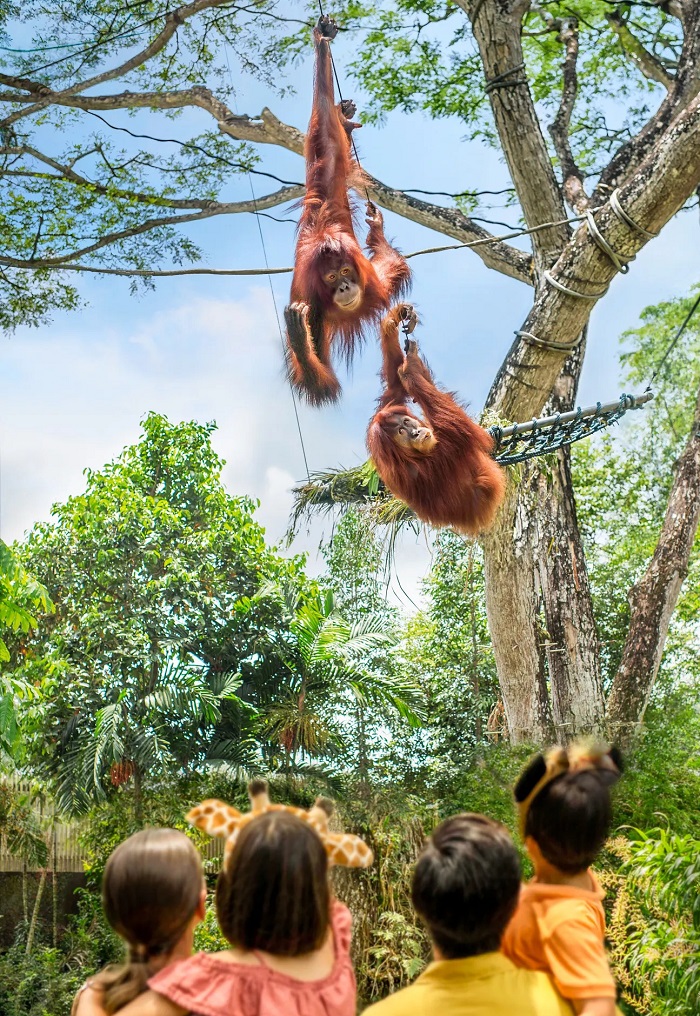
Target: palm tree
<point>326,669</point>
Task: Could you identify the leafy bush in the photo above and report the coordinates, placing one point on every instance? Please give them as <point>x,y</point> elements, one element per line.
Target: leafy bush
<point>41,984</point>
<point>655,923</point>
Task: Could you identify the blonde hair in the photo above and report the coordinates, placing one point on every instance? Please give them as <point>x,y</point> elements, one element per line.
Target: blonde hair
<point>151,888</point>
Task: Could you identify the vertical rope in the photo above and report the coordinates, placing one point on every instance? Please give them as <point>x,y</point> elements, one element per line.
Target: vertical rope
<point>272,290</point>
<point>340,96</point>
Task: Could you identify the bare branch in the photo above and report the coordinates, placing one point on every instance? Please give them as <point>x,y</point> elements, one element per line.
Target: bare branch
<point>143,273</point>
<point>65,172</point>
<point>574,191</point>
<point>219,208</point>
<point>267,129</point>
<point>173,21</point>
<point>685,87</point>
<point>647,63</point>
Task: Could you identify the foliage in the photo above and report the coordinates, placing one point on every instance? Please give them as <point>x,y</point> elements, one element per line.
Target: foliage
<point>656,922</point>
<point>20,829</point>
<point>20,596</point>
<point>328,666</point>
<point>448,650</point>
<point>155,571</point>
<point>42,984</point>
<point>622,483</point>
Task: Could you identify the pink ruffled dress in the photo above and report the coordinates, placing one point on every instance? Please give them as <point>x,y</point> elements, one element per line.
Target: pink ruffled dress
<point>207,985</point>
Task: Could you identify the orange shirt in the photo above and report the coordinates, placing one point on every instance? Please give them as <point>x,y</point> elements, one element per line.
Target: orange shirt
<point>561,930</point>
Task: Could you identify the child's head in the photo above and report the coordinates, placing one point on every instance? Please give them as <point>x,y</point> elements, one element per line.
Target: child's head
<point>570,818</point>
<point>466,884</point>
<point>273,894</point>
<point>153,894</point>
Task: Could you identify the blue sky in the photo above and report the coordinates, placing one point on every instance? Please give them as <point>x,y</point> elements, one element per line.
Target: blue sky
<point>72,393</point>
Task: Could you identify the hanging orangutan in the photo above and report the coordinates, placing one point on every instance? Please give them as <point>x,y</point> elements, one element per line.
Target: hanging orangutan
<point>336,289</point>
<point>441,465</point>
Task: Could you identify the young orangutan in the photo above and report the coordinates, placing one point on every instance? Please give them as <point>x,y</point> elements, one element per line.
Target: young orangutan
<point>337,290</point>
<point>441,465</point>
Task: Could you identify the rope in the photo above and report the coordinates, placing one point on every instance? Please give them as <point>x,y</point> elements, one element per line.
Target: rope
<point>626,218</point>
<point>674,340</point>
<point>598,238</point>
<point>272,294</point>
<point>572,292</point>
<point>535,340</point>
<point>340,96</point>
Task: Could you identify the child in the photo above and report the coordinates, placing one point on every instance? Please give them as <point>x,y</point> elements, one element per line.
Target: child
<point>290,942</point>
<point>559,926</point>
<point>153,895</point>
<point>465,889</point>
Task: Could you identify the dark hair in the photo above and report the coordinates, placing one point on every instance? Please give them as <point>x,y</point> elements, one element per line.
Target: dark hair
<point>151,887</point>
<point>274,893</point>
<point>466,885</point>
<point>570,818</point>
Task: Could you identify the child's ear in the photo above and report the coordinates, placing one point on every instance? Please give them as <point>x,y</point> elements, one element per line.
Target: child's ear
<point>530,778</point>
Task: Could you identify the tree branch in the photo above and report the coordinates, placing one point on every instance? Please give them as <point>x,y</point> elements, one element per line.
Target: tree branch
<point>572,178</point>
<point>267,129</point>
<point>64,172</point>
<point>685,87</point>
<point>653,599</point>
<point>173,21</point>
<point>651,197</point>
<point>219,208</point>
<point>647,63</point>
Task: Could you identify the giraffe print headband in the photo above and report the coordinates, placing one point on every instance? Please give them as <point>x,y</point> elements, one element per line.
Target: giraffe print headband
<point>220,819</point>
<point>545,768</point>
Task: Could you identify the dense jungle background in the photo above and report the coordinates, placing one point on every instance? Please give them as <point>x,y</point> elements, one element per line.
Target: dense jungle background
<point>157,646</point>
<point>161,651</point>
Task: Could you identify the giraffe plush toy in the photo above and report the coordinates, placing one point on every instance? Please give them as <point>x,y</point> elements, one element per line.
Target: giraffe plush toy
<point>220,819</point>
<point>545,768</point>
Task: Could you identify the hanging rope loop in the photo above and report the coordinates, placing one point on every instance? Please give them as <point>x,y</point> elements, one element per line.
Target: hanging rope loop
<point>626,218</point>
<point>619,260</point>
<point>548,277</point>
<point>535,340</point>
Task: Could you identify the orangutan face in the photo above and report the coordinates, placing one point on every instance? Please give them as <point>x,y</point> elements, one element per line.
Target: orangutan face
<point>412,434</point>
<point>342,281</point>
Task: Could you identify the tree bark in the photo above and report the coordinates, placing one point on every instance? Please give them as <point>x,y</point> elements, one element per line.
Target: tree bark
<point>653,599</point>
<point>573,662</point>
<point>512,606</point>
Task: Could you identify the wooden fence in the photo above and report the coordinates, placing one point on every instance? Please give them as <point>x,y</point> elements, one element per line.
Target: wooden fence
<point>66,853</point>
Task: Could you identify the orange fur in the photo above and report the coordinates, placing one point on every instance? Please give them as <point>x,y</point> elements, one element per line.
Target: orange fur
<point>458,483</point>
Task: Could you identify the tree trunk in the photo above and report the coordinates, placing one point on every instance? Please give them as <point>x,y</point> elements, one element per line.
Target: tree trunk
<point>138,795</point>
<point>35,913</point>
<point>513,614</point>
<point>653,599</point>
<point>573,661</point>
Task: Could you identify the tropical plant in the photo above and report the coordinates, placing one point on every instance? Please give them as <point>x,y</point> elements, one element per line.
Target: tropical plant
<point>155,568</point>
<point>657,919</point>
<point>326,669</point>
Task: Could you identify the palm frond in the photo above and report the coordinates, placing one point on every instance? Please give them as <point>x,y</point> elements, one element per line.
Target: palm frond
<point>333,489</point>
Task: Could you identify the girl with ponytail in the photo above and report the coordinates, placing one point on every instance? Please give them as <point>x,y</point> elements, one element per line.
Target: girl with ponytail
<point>153,895</point>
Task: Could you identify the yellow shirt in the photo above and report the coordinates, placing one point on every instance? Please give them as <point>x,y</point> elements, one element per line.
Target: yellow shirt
<point>486,985</point>
<point>561,930</point>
